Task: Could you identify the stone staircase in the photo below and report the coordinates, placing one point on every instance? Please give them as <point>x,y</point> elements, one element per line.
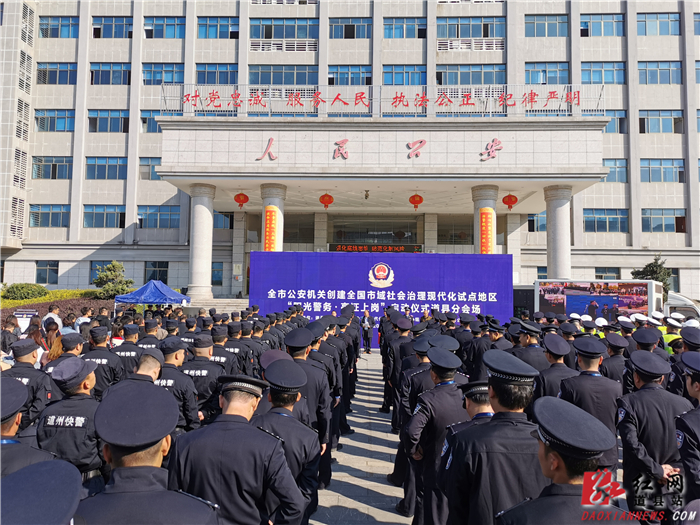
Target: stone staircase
<point>221,305</point>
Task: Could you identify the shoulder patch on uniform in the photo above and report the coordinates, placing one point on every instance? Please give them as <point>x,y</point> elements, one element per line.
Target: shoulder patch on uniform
<point>621,414</point>
<point>679,438</point>
<point>214,506</point>
<point>445,446</point>
<point>270,433</point>
<point>449,461</point>
<point>671,377</point>
<point>418,407</point>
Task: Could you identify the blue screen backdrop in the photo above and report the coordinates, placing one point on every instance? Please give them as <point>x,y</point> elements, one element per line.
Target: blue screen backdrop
<point>325,282</point>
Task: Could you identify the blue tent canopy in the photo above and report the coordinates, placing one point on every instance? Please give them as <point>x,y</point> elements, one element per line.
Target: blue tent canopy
<point>153,292</point>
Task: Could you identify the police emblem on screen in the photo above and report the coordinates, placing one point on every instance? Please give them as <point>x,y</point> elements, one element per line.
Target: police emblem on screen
<point>381,276</point>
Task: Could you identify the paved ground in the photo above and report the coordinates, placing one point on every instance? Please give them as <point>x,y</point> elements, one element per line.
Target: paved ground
<point>359,492</point>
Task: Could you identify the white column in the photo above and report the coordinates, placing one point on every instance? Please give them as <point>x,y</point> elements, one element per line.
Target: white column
<point>558,199</point>
<point>201,242</point>
<point>273,195</point>
<point>483,197</point>
<point>320,232</point>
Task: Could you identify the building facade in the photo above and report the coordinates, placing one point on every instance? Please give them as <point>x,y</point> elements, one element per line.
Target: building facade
<point>129,128</point>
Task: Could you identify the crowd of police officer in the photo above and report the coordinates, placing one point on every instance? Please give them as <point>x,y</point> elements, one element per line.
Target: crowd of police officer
<point>160,418</point>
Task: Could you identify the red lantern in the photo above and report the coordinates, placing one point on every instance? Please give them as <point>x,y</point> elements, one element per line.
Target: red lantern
<point>416,200</point>
<point>326,200</point>
<point>510,201</point>
<point>241,199</point>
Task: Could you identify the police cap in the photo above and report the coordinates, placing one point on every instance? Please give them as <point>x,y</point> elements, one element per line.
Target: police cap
<point>672,322</point>
<point>466,318</point>
<point>586,317</point>
<point>514,330</point>
<point>549,329</point>
<point>171,324</point>
<point>515,320</point>
<point>233,327</point>
<point>149,324</point>
<point>530,328</point>
<point>137,417</point>
<point>190,322</point>
<point>589,347</point>
<point>155,353</point>
<point>131,329</point>
<point>212,311</point>
<point>569,430</point>
<point>267,358</point>
<point>317,328</point>
<point>246,326</point>
<point>645,336</point>
<point>691,361</point>
<point>69,373</point>
<point>224,317</point>
<point>207,321</point>
<point>243,383</point>
<point>649,364</point>
<point>219,330</point>
<point>254,307</point>
<point>450,316</point>
<point>172,345</point>
<point>625,325</point>
<point>403,324</point>
<point>575,316</point>
<point>299,338</point>
<point>556,345</point>
<point>421,346</point>
<point>508,369</point>
<point>419,328</point>
<point>474,388</point>
<point>476,326</point>
<point>61,485</point>
<point>601,322</point>
<point>71,341</point>
<point>538,315</point>
<point>691,336</point>
<point>24,347</point>
<point>550,316</point>
<point>444,342</point>
<point>442,358</point>
<point>203,341</point>
<point>216,318</point>
<point>495,326</point>
<point>285,376</point>
<point>342,321</point>
<point>589,325</point>
<point>617,341</point>
<point>244,313</point>
<point>561,318</point>
<point>13,396</point>
<point>98,331</point>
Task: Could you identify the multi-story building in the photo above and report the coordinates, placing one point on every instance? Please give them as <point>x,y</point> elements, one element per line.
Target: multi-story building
<point>129,128</point>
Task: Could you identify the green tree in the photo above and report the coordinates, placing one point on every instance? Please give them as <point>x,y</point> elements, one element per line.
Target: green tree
<point>655,271</point>
<point>111,281</point>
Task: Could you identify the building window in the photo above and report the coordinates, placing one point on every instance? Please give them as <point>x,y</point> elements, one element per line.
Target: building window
<point>95,267</point>
<point>662,170</point>
<point>697,72</point>
<point>223,220</point>
<point>46,272</point>
<point>605,221</point>
<point>546,25</point>
<point>157,74</point>
<point>618,121</point>
<point>284,28</point>
<point>602,25</point>
<point>98,216</point>
<point>49,215</point>
<point>547,73</point>
<point>373,230</point>
<point>696,22</point>
<point>58,27</point>
<point>217,73</point>
<point>61,73</point>
<point>148,122</point>
<point>156,271</point>
<point>603,72</point>
<point>217,274</point>
<point>52,167</point>
<point>607,274</point>
<point>226,28</point>
<point>405,28</point>
<point>618,170</point>
<point>405,75</point>
<point>537,222</point>
<point>468,75</point>
<point>2,263</point>
<point>108,121</point>
<point>54,119</point>
<point>542,272</point>
<point>652,24</point>
<point>660,73</point>
<point>349,75</point>
<point>162,27</point>
<point>299,227</point>
<point>350,28</point>
<point>455,229</point>
<point>673,284</point>
<point>159,216</point>
<point>112,27</point>
<point>106,168</point>
<point>283,75</point>
<point>110,74</point>
<point>661,122</point>
<point>147,168</point>
<point>666,220</point>
<point>492,27</point>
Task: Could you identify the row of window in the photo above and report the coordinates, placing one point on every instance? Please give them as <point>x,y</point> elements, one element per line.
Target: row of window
<point>611,220</point>
<point>648,24</point>
<point>47,271</point>
<point>97,168</point>
<point>103,216</point>
<point>650,121</point>
<point>613,273</point>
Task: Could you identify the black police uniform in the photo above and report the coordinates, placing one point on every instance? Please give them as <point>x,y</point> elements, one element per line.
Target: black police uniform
<point>256,349</point>
<point>548,383</point>
<point>223,357</point>
<point>130,354</point>
<point>149,341</point>
<point>204,374</point>
<point>688,443</point>
<point>597,395</point>
<point>613,367</point>
<point>16,455</point>
<point>109,369</point>
<point>436,410</point>
<point>182,387</point>
<point>501,344</point>
<point>243,353</point>
<point>38,384</point>
<point>475,368</point>
<point>318,397</point>
<point>236,477</point>
<point>56,394</point>
<point>533,355</point>
<point>301,408</point>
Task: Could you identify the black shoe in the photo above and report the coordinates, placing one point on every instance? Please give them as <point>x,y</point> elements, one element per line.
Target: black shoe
<point>348,410</point>
<point>391,481</point>
<point>385,410</point>
<point>323,486</point>
<point>334,461</point>
<point>395,431</point>
<point>339,447</point>
<point>399,510</point>
<point>348,432</point>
